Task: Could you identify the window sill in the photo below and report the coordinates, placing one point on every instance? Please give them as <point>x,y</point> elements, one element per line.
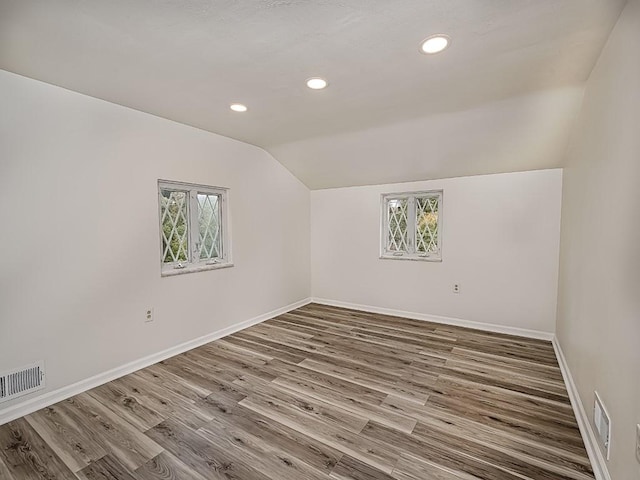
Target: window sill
<point>171,272</point>
<point>411,258</point>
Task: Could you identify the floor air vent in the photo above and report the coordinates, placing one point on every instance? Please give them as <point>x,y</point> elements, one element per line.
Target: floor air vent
<point>21,382</point>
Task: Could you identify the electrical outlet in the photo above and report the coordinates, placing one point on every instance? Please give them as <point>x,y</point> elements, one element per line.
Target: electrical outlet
<point>638,442</point>
<point>149,315</point>
<point>456,288</point>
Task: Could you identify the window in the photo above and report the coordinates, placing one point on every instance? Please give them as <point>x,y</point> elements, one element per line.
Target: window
<point>412,226</point>
<point>194,231</point>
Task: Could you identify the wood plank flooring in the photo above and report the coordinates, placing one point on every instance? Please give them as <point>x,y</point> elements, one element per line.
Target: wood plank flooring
<point>317,393</point>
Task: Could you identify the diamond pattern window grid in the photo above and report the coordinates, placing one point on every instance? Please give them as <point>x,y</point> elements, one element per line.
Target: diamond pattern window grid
<point>427,224</point>
<point>397,211</point>
<point>209,223</point>
<point>411,225</point>
<point>175,235</point>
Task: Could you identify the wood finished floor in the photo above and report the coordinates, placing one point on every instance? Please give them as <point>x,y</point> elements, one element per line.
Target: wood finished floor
<point>317,393</point>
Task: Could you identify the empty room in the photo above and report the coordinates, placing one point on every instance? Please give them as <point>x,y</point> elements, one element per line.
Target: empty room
<point>320,239</point>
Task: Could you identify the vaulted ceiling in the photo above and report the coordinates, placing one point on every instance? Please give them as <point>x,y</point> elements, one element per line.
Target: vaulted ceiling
<point>502,97</point>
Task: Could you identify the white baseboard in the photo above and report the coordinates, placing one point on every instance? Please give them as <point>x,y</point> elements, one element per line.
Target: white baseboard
<point>49,398</point>
<point>589,438</point>
<point>488,327</point>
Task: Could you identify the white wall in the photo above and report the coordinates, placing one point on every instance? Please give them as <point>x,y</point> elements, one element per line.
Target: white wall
<point>528,132</point>
<point>80,246</point>
<point>599,296</point>
<point>500,242</point>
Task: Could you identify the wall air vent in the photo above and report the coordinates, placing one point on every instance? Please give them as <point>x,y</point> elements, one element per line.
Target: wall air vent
<point>16,383</point>
<point>602,422</point>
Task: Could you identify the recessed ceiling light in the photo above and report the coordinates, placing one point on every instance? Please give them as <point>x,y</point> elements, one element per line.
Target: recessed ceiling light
<point>434,44</point>
<point>317,83</point>
<point>238,107</point>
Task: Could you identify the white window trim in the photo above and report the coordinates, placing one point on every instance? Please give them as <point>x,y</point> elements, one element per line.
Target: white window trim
<point>384,225</point>
<point>225,261</point>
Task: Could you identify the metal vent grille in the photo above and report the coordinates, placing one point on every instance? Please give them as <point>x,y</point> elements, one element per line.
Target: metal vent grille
<point>602,422</point>
<point>20,382</point>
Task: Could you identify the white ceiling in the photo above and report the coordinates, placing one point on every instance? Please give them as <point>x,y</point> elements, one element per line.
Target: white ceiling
<point>187,60</point>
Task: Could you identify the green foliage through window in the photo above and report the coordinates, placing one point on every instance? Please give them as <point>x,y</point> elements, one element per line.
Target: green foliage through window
<point>191,224</point>
<point>411,223</point>
<point>173,215</point>
<point>427,224</point>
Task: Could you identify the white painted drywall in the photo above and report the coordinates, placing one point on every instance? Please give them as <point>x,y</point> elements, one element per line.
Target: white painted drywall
<point>599,294</point>
<point>500,242</point>
<point>521,133</point>
<point>79,237</point>
<point>187,60</point>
